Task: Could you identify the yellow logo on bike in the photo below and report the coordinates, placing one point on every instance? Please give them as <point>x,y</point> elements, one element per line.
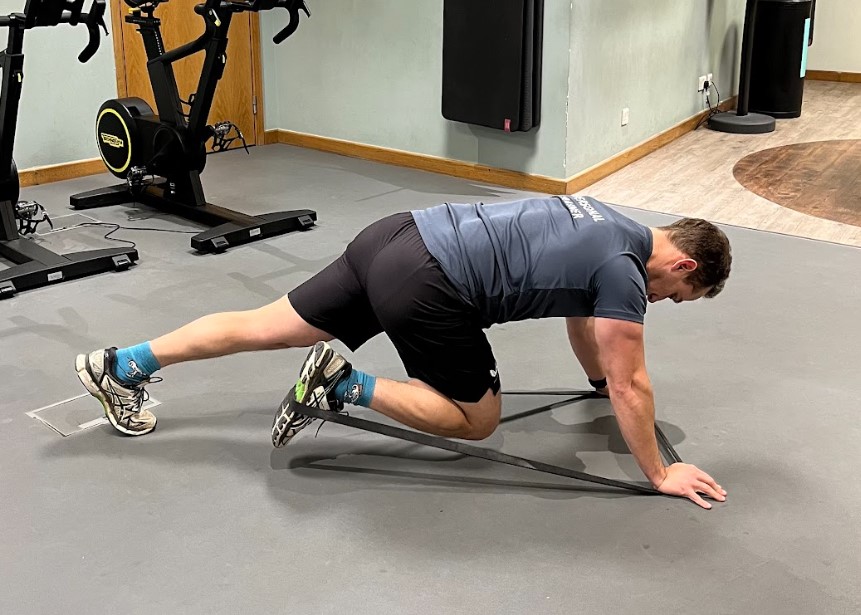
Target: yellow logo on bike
<point>112,140</point>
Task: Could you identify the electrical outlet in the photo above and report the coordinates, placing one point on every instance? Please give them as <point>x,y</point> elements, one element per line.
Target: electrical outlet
<point>709,77</point>
<point>625,116</point>
<point>701,83</point>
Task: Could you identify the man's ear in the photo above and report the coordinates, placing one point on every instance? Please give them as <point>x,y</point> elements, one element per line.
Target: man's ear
<point>686,265</point>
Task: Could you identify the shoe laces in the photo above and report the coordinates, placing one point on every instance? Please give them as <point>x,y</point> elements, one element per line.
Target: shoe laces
<point>138,397</point>
<point>320,426</point>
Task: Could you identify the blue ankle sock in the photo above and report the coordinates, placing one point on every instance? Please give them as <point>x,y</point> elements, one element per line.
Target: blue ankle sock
<point>135,364</point>
<point>356,389</point>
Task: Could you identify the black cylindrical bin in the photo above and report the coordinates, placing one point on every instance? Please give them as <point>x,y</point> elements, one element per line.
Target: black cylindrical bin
<point>779,59</point>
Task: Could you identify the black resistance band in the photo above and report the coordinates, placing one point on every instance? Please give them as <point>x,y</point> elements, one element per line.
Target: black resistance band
<point>491,455</point>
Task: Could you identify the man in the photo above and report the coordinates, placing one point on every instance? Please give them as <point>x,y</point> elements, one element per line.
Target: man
<point>433,280</point>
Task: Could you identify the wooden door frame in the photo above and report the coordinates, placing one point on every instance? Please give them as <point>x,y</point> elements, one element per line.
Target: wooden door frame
<point>118,17</point>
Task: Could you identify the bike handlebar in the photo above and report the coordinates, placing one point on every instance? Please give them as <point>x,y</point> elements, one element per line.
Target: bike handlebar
<point>93,19</point>
<point>294,7</point>
<point>52,14</point>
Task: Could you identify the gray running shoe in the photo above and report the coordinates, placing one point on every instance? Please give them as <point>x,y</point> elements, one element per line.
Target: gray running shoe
<point>322,370</point>
<point>122,402</point>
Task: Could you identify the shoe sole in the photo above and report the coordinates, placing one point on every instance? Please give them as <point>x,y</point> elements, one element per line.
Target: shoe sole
<point>319,360</point>
<point>93,389</point>
<point>286,415</point>
<point>283,422</point>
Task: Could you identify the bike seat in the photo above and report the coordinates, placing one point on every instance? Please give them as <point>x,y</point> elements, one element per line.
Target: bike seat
<point>136,4</point>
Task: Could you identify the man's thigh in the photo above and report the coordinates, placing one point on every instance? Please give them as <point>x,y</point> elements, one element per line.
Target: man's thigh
<point>334,301</point>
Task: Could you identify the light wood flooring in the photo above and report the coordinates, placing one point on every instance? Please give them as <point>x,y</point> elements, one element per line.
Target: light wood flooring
<point>693,176</point>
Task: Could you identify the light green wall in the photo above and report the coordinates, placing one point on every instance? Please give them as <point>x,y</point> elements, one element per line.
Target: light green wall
<point>646,56</point>
<point>371,72</point>
<point>60,95</point>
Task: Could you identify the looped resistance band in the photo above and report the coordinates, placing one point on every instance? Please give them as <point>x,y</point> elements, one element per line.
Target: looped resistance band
<point>489,454</point>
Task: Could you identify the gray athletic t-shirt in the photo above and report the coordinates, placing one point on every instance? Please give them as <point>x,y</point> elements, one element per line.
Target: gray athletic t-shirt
<point>541,257</point>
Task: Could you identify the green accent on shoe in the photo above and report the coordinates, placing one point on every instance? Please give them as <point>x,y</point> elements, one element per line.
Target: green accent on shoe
<point>300,391</point>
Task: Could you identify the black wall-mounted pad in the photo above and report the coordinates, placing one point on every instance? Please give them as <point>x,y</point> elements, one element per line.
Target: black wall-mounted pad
<point>492,62</point>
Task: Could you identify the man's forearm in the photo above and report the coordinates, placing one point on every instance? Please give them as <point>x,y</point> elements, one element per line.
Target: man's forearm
<point>634,406</point>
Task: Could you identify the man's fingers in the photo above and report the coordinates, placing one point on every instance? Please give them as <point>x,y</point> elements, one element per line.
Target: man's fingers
<point>690,482</point>
<point>710,491</point>
<point>711,482</point>
<point>694,497</point>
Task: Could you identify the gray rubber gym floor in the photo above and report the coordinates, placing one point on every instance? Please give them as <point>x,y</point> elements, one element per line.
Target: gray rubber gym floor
<point>760,387</point>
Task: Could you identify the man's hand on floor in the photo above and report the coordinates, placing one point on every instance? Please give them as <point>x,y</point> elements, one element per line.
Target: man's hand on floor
<point>686,480</point>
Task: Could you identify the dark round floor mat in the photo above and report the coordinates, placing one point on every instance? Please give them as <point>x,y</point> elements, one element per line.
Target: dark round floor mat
<point>822,178</point>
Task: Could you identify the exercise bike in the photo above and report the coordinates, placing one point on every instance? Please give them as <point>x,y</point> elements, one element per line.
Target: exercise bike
<point>35,265</point>
<point>161,156</point>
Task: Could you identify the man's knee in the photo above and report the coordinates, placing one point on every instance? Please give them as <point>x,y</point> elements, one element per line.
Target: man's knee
<point>482,417</point>
<point>478,432</point>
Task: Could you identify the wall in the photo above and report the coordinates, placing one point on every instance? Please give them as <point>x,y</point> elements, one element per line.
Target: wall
<point>60,96</point>
<point>646,56</point>
<point>836,37</point>
<point>371,71</point>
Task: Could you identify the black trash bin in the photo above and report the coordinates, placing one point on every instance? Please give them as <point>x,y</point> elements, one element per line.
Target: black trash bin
<point>781,37</point>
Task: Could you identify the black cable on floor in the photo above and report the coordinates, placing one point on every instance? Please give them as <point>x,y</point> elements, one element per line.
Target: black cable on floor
<point>117,227</point>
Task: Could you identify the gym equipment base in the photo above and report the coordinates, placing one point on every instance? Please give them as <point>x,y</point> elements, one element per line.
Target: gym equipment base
<point>37,266</point>
<point>230,228</point>
<point>748,124</point>
<point>491,455</point>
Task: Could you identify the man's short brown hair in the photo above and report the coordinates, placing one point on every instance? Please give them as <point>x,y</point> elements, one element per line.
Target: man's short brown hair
<point>708,246</point>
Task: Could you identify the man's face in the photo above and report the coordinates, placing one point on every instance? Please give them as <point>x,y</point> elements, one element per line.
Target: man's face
<point>672,284</point>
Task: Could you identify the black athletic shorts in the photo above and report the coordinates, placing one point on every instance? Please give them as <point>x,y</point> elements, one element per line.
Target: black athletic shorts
<point>387,281</point>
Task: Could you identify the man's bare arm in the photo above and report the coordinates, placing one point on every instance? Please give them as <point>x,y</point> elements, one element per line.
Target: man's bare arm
<point>623,358</point>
